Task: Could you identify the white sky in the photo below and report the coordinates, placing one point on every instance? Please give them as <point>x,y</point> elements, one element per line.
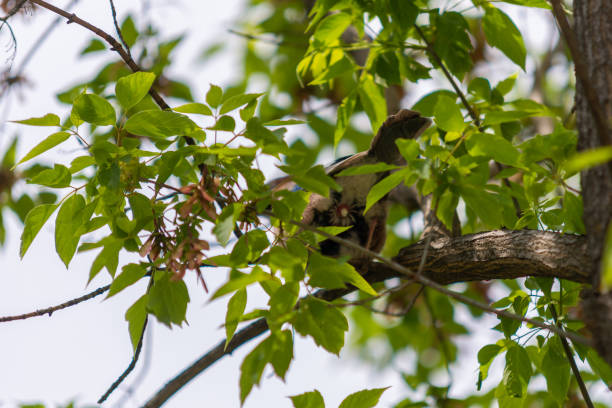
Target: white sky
<point>77,353</point>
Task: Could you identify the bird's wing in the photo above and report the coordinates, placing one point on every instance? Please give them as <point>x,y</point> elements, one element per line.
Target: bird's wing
<point>350,161</point>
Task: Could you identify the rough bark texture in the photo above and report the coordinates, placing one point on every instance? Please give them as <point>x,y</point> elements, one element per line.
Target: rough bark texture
<point>593,30</point>
<point>501,254</point>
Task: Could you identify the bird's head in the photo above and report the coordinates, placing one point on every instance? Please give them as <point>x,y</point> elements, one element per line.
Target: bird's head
<point>405,124</point>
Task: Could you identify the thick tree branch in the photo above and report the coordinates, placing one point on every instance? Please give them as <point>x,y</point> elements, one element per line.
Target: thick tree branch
<point>51,310</point>
<point>489,255</point>
<point>593,37</point>
<point>504,254</point>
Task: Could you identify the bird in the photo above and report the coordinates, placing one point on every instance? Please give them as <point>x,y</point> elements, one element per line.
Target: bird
<point>345,208</point>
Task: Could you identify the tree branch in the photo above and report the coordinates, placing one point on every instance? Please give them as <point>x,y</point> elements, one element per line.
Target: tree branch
<point>52,309</point>
<point>572,361</point>
<point>448,76</point>
<point>118,30</point>
<point>14,10</point>
<point>115,46</point>
<point>508,254</point>
<point>132,364</point>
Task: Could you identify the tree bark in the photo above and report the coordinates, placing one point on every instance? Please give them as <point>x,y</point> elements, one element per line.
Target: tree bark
<point>593,31</point>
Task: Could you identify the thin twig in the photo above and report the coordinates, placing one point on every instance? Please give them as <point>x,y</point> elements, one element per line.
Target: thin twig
<point>441,340</point>
<point>570,357</point>
<point>448,76</point>
<point>582,74</point>
<point>115,46</point>
<point>51,310</point>
<point>13,11</point>
<point>118,29</point>
<point>145,365</point>
<point>132,364</point>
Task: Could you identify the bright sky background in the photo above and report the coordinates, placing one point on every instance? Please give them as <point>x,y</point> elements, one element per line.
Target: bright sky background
<point>77,353</point>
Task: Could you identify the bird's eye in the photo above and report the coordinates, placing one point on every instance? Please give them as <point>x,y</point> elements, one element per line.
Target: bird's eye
<point>343,210</point>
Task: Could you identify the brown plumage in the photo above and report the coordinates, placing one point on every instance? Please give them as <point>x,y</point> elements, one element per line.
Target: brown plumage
<point>345,207</point>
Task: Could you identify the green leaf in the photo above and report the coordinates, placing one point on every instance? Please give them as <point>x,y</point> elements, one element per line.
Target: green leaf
<point>485,358</point>
<point>530,3</point>
<point>237,101</point>
<point>168,299</point>
<point>588,158</point>
<point>281,122</point>
<point>452,42</point>
<point>383,187</point>
<point>282,302</point>
<point>427,104</point>
<point>226,222</point>
<point>556,370</point>
<point>312,399</point>
<point>130,89</point>
<point>291,261</point>
<point>50,142</point>
<point>493,146</point>
<point>334,70</point>
<point>320,266</point>
<point>483,204</point>
<point>160,124</point>
<point>81,162</point>
<point>224,123</point>
<point>317,181</point>
<point>252,368</point>
<point>480,87</point>
<point>373,101</point>
<point>242,280</point>
<point>130,274</point>
<point>506,85</point>
<point>519,362</point>
<point>49,119</point>
<point>363,398</point>
<point>326,324</point>
<point>487,353</point>
<point>235,309</point>
<point>129,31</point>
<point>367,169</point>
<point>497,117</point>
<point>108,257</point>
<point>136,317</point>
<point>345,110</point>
<point>214,95</point>
<point>281,352</point>
<point>58,177</point>
<point>94,109</point>
<point>93,46</point>
<point>501,33</point>
<point>330,28</point>
<point>600,367</point>
<point>447,115</point>
<point>194,107</point>
<point>34,221</point>
<point>67,224</point>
